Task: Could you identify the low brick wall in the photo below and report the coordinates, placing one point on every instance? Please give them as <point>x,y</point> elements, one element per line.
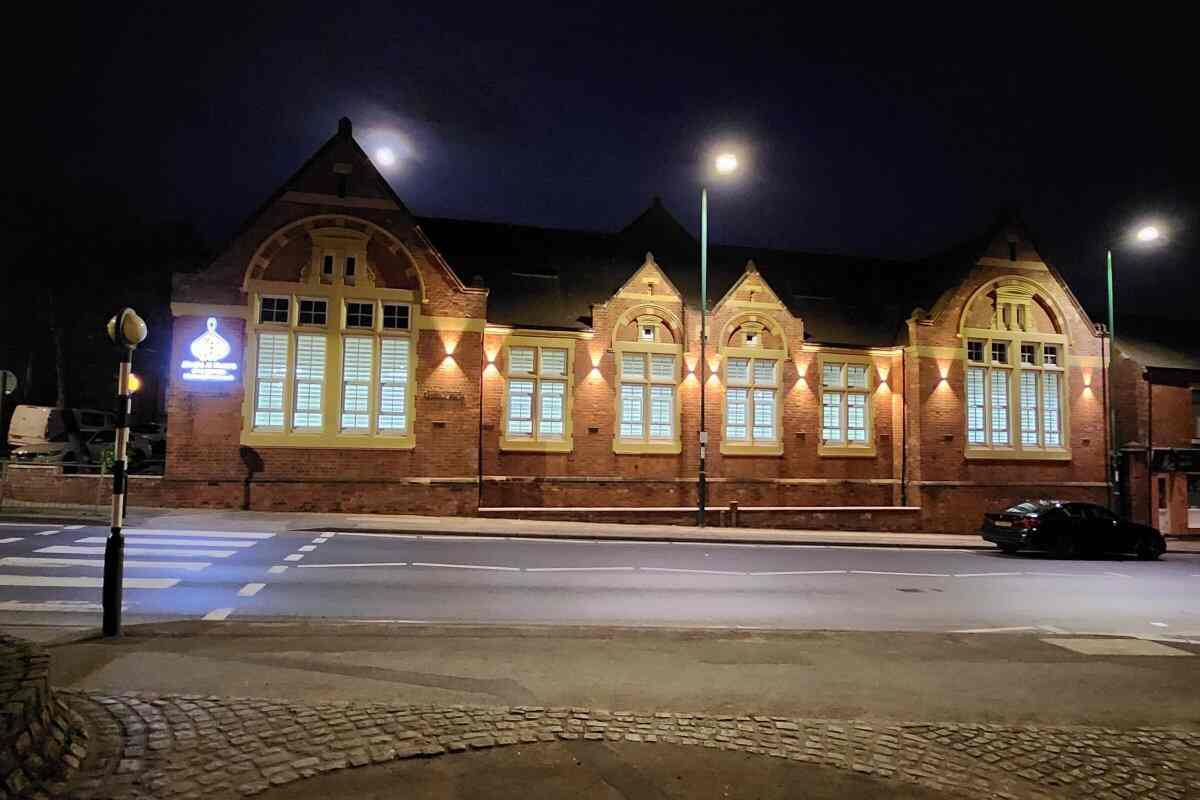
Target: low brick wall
<point>42,742</point>
<point>857,518</point>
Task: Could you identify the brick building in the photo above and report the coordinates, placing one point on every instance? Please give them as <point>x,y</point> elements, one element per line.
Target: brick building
<point>378,361</point>
<point>1156,391</point>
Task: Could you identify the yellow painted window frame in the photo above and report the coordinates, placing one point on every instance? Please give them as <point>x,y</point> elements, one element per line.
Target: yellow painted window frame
<point>336,294</point>
<point>753,447</point>
<point>535,443</point>
<point>646,445</point>
<point>846,448</point>
<point>1015,449</point>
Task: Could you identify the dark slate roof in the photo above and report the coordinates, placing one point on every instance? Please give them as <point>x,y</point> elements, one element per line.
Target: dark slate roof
<point>1159,344</point>
<point>551,278</point>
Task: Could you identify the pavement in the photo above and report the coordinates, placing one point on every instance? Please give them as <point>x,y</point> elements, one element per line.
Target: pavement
<point>227,710</point>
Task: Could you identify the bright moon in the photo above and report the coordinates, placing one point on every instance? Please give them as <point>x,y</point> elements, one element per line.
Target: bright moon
<point>385,156</point>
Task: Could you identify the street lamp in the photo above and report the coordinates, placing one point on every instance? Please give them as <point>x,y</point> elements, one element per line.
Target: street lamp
<point>1144,235</point>
<point>725,164</point>
<point>127,330</point>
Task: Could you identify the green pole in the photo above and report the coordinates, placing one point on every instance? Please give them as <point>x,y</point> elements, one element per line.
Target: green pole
<point>702,485</point>
<point>1114,469</point>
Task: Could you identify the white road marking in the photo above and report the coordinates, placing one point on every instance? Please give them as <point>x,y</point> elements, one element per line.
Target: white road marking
<point>320,540</point>
<point>68,550</point>
<point>579,569</point>
<point>171,542</point>
<point>376,564</point>
<point>278,568</point>
<point>466,566</point>
<point>1052,629</point>
<point>20,524</point>
<point>1159,624</point>
<point>206,534</point>
<point>691,571</point>
<point>804,572</point>
<point>49,533</point>
<point>250,589</point>
<point>308,548</point>
<point>72,527</point>
<point>904,574</point>
<point>545,540</point>
<point>12,539</point>
<point>72,606</point>
<point>21,561</point>
<point>294,557</point>
<point>983,574</point>
<point>1118,575</point>
<point>1012,629</point>
<point>440,537</point>
<point>1060,574</point>
<point>84,583</point>
<point>400,621</point>
<point>217,614</point>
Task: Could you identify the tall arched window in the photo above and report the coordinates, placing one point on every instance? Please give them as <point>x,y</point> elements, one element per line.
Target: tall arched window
<point>648,350</point>
<point>753,351</point>
<point>1016,373</point>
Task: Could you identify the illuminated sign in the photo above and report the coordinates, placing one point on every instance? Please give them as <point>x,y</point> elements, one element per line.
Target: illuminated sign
<point>210,350</point>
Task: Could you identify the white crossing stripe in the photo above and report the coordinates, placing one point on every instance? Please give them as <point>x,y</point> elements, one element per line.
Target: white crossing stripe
<point>68,550</point>
<point>207,534</point>
<point>22,561</point>
<point>278,568</point>
<point>156,540</point>
<point>12,539</point>
<point>217,614</point>
<point>294,557</point>
<point>308,548</point>
<point>250,589</point>
<point>84,583</point>
<point>320,540</point>
<point>49,533</point>
<point>72,527</point>
<point>76,606</point>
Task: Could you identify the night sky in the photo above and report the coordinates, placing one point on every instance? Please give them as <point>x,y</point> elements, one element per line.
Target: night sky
<point>884,136</point>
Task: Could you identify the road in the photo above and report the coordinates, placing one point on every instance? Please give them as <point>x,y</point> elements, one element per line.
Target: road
<point>50,575</point>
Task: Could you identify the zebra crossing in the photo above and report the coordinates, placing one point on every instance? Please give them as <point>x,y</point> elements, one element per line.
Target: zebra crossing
<point>155,559</point>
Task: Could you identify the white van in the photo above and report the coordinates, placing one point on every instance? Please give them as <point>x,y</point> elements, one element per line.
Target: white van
<point>32,425</point>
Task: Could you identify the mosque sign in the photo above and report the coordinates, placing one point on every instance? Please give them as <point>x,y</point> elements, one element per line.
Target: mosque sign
<point>209,351</point>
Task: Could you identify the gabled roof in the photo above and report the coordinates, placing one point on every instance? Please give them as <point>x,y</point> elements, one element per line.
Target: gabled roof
<point>551,278</point>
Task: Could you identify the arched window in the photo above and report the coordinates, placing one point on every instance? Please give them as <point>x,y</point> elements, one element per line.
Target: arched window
<point>753,350</point>
<point>647,343</point>
<point>1016,373</point>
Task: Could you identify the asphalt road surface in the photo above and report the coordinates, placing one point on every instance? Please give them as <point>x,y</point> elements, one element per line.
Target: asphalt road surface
<point>51,575</point>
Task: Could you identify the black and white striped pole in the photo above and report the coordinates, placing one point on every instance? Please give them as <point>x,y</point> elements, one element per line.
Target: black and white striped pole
<point>127,330</point>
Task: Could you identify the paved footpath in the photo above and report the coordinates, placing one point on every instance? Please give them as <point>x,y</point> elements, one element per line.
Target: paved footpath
<point>193,746</point>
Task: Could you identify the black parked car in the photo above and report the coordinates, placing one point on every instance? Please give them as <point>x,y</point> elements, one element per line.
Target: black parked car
<point>1069,530</point>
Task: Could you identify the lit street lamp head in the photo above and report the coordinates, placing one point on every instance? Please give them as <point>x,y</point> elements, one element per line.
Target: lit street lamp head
<point>726,163</point>
<point>1148,234</point>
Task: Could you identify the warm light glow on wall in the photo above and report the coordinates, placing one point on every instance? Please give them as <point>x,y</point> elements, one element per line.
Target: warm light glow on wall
<point>1087,378</point>
<point>451,342</point>
<point>802,368</point>
<point>448,362</point>
<point>690,362</point>
<point>597,357</point>
<point>884,372</point>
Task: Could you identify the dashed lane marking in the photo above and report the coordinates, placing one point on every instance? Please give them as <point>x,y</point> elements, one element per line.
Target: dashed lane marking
<point>803,572</point>
<point>22,561</point>
<point>579,569</point>
<point>217,614</point>
<point>250,589</point>
<point>277,569</point>
<point>467,566</point>
<point>69,550</point>
<point>72,527</point>
<point>84,583</point>
<point>378,564</point>
<point>691,571</point>
<point>903,574</point>
<point>294,557</point>
<point>173,542</point>
<point>308,548</point>
<point>49,533</point>
<point>11,539</point>
<point>320,540</point>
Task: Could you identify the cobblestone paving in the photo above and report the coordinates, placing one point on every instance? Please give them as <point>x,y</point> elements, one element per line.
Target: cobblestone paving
<point>195,746</point>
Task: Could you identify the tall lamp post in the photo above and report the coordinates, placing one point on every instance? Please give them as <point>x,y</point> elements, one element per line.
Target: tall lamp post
<point>127,330</point>
<point>1144,235</point>
<point>725,164</point>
